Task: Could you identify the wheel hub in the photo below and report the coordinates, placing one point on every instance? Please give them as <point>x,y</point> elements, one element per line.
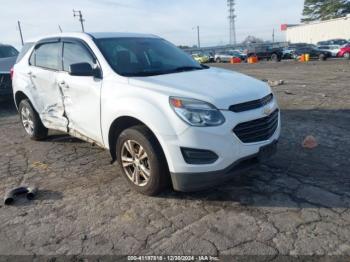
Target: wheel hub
<point>27,120</point>
<point>135,163</point>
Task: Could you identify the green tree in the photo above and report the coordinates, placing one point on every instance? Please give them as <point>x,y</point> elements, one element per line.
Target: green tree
<point>315,10</point>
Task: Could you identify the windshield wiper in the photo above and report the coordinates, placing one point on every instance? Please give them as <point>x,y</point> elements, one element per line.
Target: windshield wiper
<point>187,68</point>
<point>155,73</point>
<point>145,73</point>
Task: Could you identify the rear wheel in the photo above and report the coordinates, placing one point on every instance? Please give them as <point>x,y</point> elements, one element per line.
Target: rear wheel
<point>142,160</point>
<point>274,58</point>
<point>218,60</point>
<point>322,57</point>
<point>31,121</point>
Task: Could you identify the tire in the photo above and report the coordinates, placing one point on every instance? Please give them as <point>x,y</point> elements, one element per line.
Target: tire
<point>322,57</point>
<point>218,60</point>
<point>150,175</point>
<point>274,58</point>
<point>31,121</point>
<point>347,55</point>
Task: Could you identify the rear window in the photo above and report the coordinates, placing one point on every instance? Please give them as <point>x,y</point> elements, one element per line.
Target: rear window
<point>47,56</point>
<point>7,51</point>
<point>24,50</point>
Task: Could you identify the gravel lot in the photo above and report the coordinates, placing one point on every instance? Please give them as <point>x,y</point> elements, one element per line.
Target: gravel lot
<point>296,204</point>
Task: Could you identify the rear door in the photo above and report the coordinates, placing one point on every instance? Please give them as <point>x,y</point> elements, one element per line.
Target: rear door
<point>45,63</point>
<point>81,93</point>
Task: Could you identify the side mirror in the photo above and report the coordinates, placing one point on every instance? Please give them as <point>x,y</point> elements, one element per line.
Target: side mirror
<point>81,69</point>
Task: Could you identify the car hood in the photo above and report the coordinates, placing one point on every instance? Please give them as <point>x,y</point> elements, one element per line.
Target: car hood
<point>6,64</point>
<point>220,87</point>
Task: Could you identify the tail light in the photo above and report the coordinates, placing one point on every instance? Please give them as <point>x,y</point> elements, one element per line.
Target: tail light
<point>11,73</point>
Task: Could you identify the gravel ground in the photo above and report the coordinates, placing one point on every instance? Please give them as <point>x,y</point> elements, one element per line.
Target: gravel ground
<point>295,204</point>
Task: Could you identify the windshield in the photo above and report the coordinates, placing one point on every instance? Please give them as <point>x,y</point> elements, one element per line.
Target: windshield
<point>7,51</point>
<point>145,56</point>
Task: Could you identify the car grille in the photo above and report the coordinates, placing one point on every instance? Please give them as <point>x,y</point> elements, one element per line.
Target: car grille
<point>257,130</point>
<point>5,81</point>
<point>252,104</point>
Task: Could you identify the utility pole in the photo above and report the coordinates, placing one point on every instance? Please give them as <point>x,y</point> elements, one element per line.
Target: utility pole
<point>273,35</point>
<point>232,20</point>
<point>59,27</point>
<point>77,13</point>
<point>20,31</point>
<point>198,36</point>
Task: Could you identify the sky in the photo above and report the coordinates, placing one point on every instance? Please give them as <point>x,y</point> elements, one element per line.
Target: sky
<point>174,20</point>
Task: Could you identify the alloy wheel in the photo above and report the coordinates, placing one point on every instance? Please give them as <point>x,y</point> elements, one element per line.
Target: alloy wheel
<point>135,163</point>
<point>27,120</point>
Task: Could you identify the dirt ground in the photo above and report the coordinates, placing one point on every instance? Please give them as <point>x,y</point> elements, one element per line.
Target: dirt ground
<point>295,204</point>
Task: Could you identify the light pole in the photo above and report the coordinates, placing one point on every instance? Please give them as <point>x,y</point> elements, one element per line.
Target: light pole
<point>198,37</point>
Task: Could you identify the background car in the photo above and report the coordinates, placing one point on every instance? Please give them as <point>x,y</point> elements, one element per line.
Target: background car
<point>345,52</point>
<point>340,42</point>
<point>222,57</point>
<point>334,49</point>
<point>8,56</point>
<point>287,53</point>
<point>314,53</point>
<point>239,54</point>
<point>289,50</point>
<point>266,52</point>
<point>200,58</point>
<point>226,56</point>
<point>210,55</point>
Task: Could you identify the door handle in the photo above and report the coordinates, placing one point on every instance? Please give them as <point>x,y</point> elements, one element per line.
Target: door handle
<point>63,84</point>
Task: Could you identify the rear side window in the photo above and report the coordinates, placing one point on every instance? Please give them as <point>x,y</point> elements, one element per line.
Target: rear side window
<point>47,56</point>
<point>24,50</point>
<point>74,53</point>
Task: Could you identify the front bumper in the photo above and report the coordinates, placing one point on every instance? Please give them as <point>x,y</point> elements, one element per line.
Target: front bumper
<point>222,141</point>
<point>185,182</point>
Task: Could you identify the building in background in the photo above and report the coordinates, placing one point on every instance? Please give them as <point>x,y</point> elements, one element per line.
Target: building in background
<point>314,32</point>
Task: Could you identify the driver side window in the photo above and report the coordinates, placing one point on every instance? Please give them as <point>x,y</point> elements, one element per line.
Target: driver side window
<point>74,53</point>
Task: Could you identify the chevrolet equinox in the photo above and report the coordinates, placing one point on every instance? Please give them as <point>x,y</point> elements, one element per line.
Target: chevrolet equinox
<point>164,117</point>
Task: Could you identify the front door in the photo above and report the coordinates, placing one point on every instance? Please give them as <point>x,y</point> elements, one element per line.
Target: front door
<point>81,94</point>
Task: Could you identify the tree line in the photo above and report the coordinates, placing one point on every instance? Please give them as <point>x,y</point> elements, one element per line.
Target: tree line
<point>316,10</point>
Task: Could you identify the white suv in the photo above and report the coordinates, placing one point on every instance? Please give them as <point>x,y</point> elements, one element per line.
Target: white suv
<point>163,117</point>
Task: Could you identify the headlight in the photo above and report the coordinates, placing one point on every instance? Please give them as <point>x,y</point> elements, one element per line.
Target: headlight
<point>196,113</point>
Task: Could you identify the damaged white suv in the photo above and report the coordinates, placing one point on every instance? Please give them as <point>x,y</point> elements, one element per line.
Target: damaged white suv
<point>163,117</point>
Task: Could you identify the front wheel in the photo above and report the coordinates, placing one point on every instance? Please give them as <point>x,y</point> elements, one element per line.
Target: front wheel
<point>347,55</point>
<point>218,60</point>
<point>31,121</point>
<point>142,160</point>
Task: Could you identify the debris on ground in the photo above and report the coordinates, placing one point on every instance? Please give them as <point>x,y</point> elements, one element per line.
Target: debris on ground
<point>287,92</point>
<point>29,191</point>
<point>310,142</point>
<point>39,165</point>
<point>274,83</point>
